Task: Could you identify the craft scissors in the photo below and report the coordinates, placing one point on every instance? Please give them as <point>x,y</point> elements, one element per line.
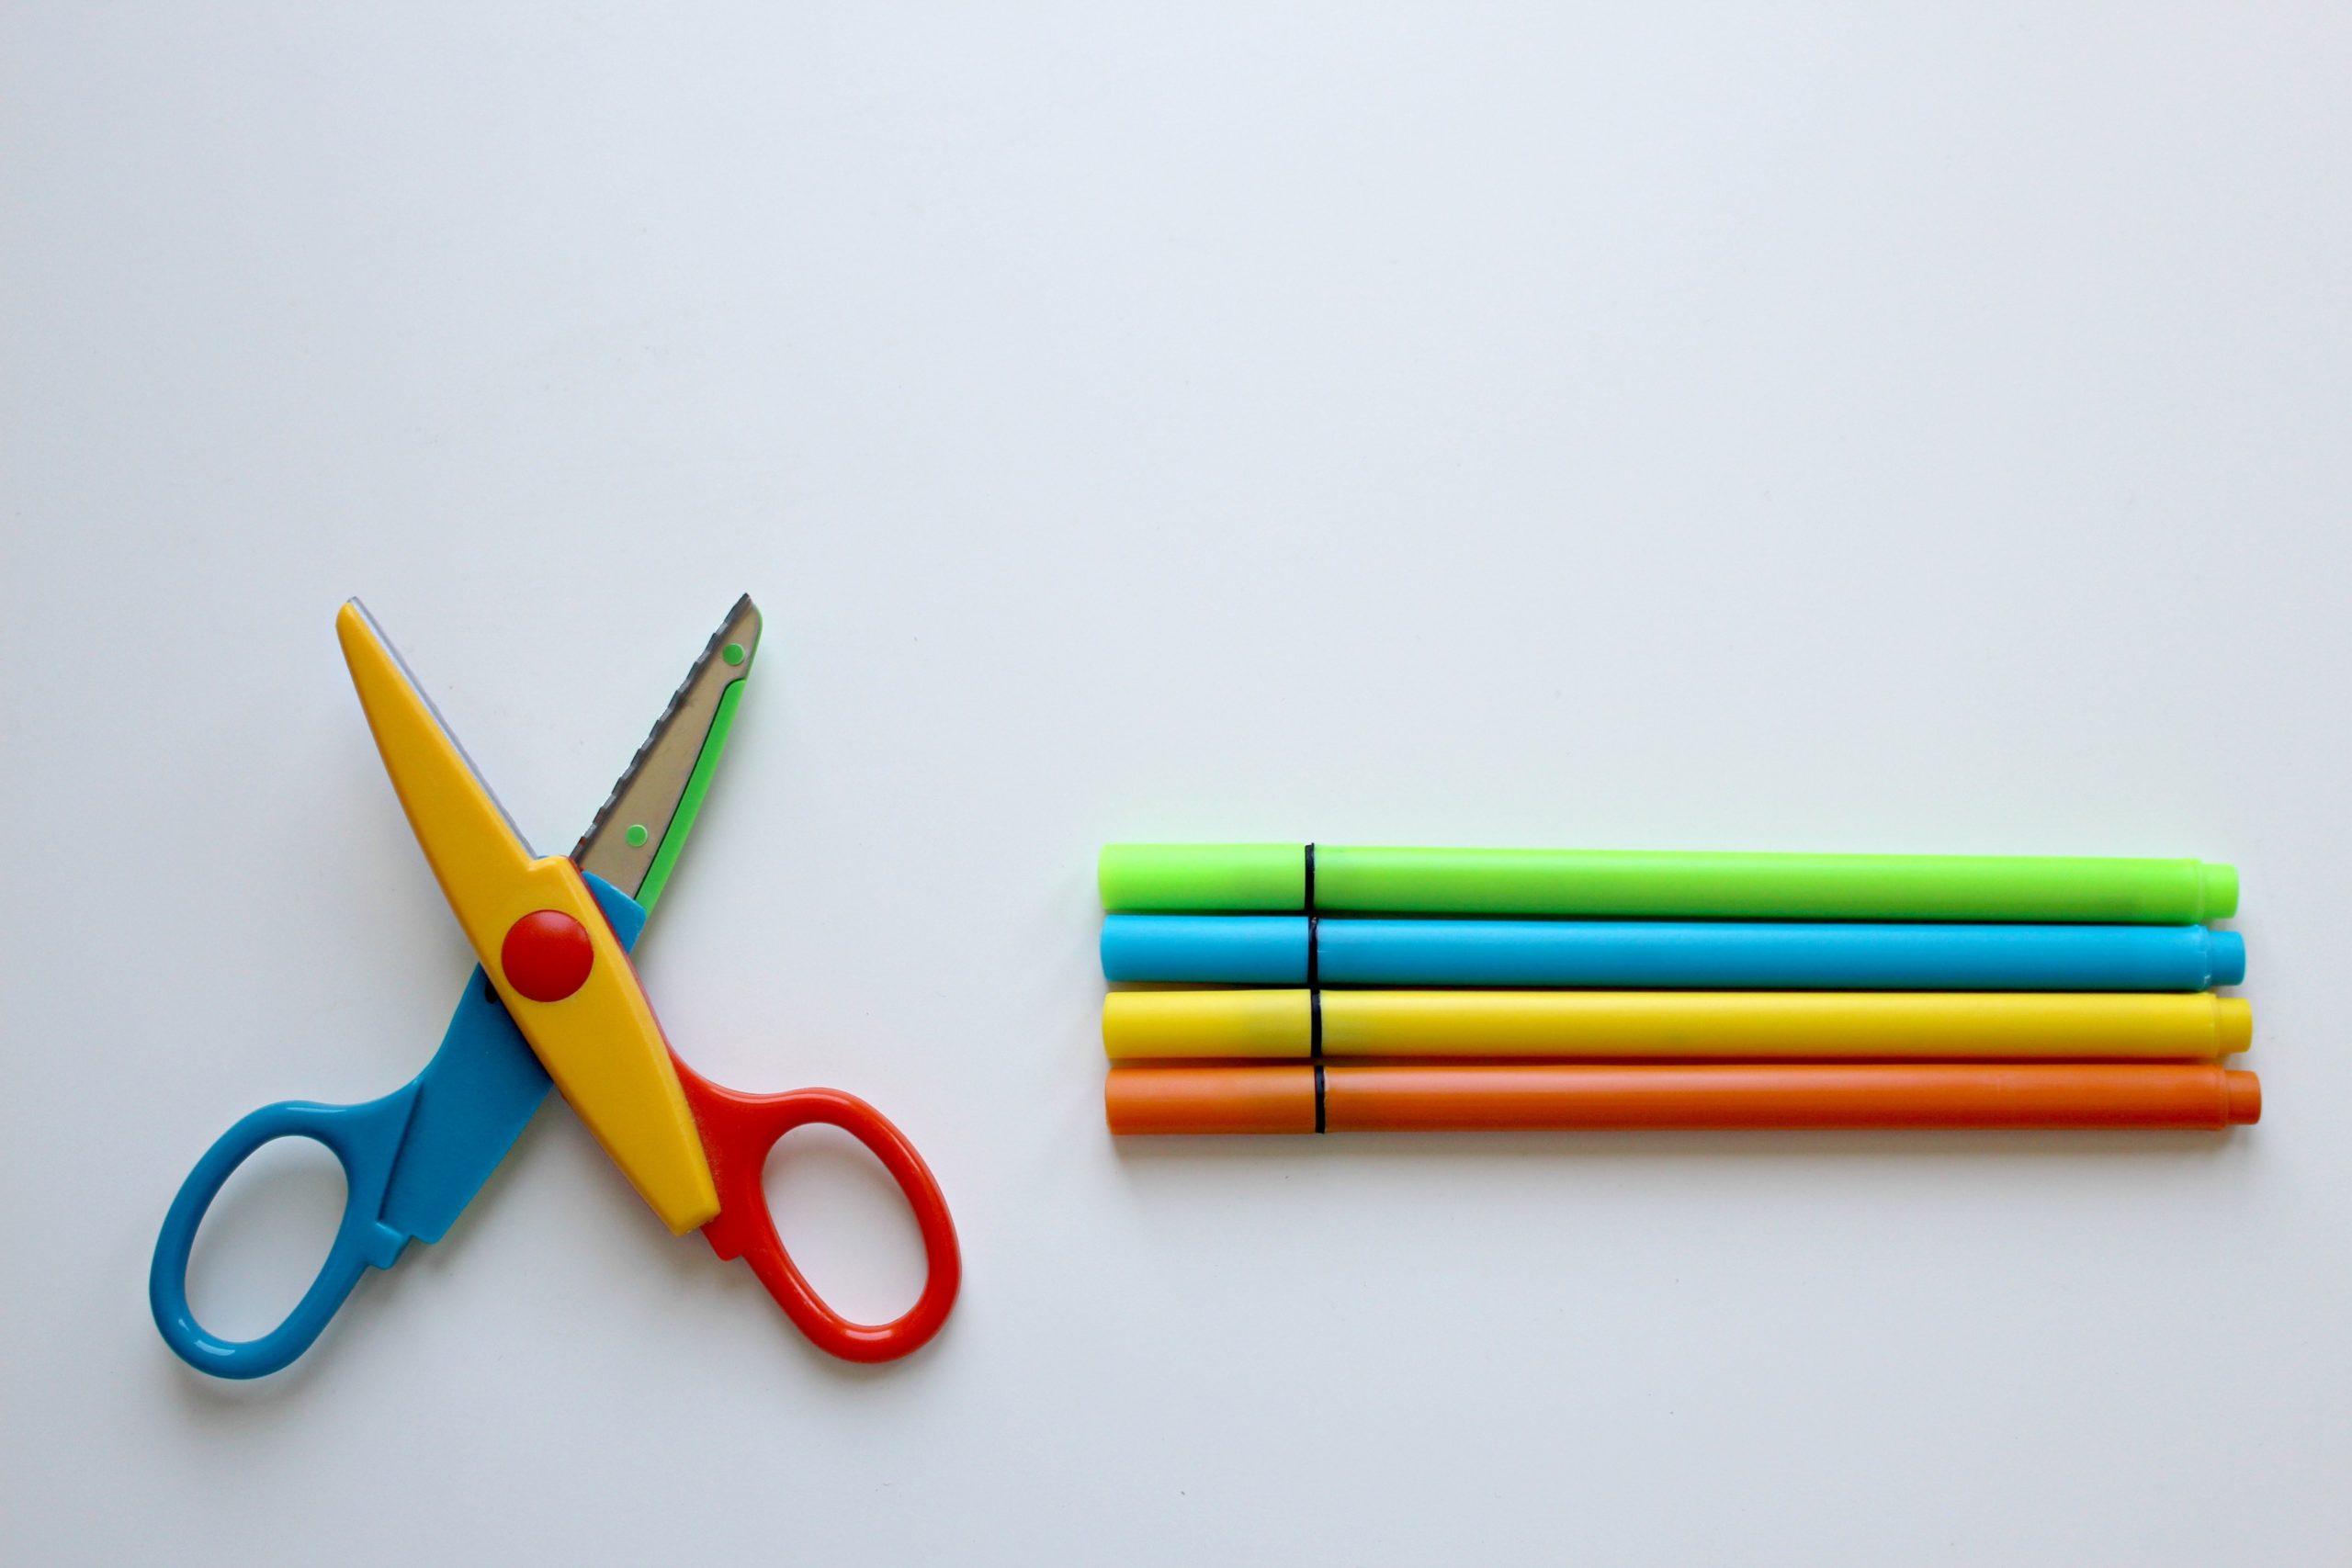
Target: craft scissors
<point>554,995</point>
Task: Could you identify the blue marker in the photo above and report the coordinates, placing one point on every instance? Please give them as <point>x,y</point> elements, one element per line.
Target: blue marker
<point>1292,950</point>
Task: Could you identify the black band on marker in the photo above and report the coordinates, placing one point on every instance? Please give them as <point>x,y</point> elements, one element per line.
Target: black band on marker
<point>1319,1097</point>
<point>1314,1023</point>
<point>1314,954</point>
<point>1310,879</point>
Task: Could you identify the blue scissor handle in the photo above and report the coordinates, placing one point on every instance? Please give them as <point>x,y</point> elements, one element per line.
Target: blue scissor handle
<point>412,1161</point>
<point>366,1139</point>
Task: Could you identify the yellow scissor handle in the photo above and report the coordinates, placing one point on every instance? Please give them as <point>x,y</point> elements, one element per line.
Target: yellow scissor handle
<point>540,937</point>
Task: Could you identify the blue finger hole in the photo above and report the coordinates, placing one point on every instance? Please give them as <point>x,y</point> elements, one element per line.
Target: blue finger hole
<point>263,1239</point>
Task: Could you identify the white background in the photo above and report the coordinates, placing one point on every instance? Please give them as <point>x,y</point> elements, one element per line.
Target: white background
<point>1787,426</point>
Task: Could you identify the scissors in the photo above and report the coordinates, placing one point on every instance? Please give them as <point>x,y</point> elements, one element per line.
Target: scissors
<point>553,996</point>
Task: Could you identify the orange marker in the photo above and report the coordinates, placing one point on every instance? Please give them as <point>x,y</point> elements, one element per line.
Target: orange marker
<point>1346,1097</point>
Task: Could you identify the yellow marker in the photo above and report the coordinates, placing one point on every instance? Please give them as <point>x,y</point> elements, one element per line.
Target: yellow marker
<point>1910,1025</point>
<point>538,933</point>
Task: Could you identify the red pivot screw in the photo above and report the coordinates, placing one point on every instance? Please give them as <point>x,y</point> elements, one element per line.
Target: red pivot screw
<point>546,955</point>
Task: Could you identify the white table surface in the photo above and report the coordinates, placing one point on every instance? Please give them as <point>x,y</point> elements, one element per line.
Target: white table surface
<point>1797,426</point>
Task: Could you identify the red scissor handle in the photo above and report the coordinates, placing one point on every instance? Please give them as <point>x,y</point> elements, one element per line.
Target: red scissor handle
<point>738,1130</point>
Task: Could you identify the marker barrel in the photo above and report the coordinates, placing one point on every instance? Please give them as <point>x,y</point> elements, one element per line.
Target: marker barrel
<point>1802,1025</point>
<point>1397,1096</point>
<point>1290,949</point>
<point>1275,878</point>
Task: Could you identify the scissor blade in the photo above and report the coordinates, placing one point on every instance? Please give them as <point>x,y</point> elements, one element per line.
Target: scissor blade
<point>638,835</point>
<point>466,835</point>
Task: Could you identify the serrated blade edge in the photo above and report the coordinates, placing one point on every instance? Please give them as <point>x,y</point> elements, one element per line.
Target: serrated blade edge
<point>652,793</point>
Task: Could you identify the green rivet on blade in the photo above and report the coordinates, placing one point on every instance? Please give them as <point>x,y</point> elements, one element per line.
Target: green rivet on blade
<point>636,835</point>
<point>732,653</point>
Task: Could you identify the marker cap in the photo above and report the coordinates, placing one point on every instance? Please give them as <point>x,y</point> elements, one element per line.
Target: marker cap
<point>2233,1025</point>
<point>2225,956</point>
<point>1203,878</point>
<point>2219,885</point>
<point>1210,1100</point>
<point>1173,1025</point>
<point>2245,1098</point>
<point>1241,950</point>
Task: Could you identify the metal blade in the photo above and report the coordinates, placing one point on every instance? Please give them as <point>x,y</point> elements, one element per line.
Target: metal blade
<point>639,833</point>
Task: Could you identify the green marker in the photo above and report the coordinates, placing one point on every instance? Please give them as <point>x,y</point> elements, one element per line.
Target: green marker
<point>1235,878</point>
